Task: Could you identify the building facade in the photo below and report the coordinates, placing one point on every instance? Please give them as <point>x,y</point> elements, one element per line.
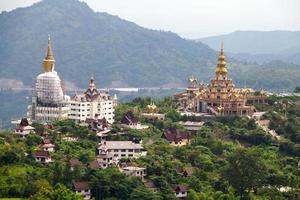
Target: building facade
<point>48,101</point>
<point>82,188</point>
<point>92,104</point>
<point>23,129</point>
<point>219,97</point>
<point>121,149</point>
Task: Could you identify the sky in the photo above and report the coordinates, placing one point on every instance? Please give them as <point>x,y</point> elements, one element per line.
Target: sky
<point>196,18</point>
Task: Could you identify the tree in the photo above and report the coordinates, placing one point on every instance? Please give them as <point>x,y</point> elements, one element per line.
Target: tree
<point>297,89</point>
<point>173,115</point>
<point>60,192</point>
<point>245,170</point>
<point>192,195</point>
<point>143,193</point>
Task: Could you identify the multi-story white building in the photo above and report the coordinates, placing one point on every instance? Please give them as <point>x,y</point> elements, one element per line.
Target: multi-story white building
<point>48,100</point>
<point>121,149</point>
<point>92,104</point>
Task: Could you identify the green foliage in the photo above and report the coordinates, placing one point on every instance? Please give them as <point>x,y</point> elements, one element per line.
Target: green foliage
<point>112,183</point>
<point>229,158</point>
<point>142,193</point>
<point>245,170</point>
<point>58,192</point>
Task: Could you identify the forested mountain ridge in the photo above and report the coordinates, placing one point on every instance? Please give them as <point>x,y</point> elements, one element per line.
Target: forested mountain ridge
<point>261,46</point>
<point>257,42</point>
<point>119,53</point>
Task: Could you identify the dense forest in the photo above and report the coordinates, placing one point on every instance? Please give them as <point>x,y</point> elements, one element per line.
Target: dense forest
<point>230,157</point>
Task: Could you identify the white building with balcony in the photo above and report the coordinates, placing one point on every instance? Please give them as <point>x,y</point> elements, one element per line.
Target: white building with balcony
<point>92,104</point>
<point>121,149</point>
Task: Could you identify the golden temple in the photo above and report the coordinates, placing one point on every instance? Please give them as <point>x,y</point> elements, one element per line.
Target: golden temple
<point>219,97</point>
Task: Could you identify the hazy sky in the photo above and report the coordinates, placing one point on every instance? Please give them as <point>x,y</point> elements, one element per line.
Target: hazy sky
<point>197,18</point>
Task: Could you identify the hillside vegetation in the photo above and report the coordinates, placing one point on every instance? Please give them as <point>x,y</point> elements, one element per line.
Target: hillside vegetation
<point>119,53</point>
<point>231,158</point>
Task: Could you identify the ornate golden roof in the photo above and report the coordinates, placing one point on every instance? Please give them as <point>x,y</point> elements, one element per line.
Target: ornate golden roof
<point>152,108</point>
<point>48,62</point>
<point>221,66</point>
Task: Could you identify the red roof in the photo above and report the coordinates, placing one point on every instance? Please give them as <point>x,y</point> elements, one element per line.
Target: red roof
<point>41,153</point>
<point>175,135</point>
<point>81,185</point>
<point>94,164</point>
<point>46,141</point>
<point>180,188</point>
<point>74,162</point>
<point>129,118</point>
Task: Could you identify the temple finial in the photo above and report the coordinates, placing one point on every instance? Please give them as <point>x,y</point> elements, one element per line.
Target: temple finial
<point>48,62</point>
<point>222,47</point>
<point>221,66</point>
<point>92,83</point>
<point>49,55</point>
<point>92,76</point>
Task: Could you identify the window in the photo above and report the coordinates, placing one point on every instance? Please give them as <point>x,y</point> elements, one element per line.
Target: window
<point>123,150</point>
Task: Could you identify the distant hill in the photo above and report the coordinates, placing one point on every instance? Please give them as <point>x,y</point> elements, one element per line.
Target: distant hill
<point>117,52</point>
<point>260,46</point>
<point>257,42</point>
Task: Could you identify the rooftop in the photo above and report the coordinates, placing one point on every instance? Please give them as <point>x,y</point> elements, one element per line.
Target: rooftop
<point>175,135</point>
<point>120,145</point>
<point>81,185</point>
<point>41,153</point>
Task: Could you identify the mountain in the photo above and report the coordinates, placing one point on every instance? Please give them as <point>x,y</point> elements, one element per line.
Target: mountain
<point>116,51</point>
<point>260,46</point>
<point>257,42</point>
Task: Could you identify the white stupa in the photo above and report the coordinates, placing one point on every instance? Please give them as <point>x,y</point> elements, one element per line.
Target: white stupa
<point>48,102</point>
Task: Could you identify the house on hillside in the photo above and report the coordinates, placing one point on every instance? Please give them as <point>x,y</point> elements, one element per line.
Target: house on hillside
<point>47,145</point>
<point>100,126</point>
<point>129,120</point>
<point>134,171</point>
<point>103,161</point>
<point>82,188</point>
<point>176,137</point>
<point>42,156</point>
<point>180,191</point>
<point>74,162</point>
<point>192,126</point>
<point>23,128</point>
<point>121,149</point>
